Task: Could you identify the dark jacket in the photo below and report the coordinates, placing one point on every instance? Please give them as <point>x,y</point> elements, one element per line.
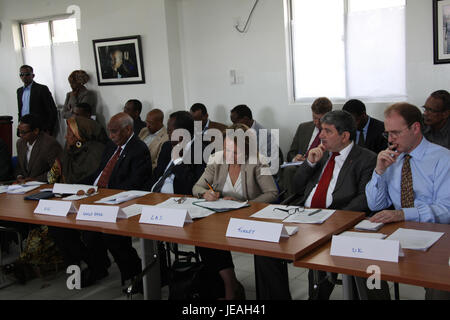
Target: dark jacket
<point>375,140</point>
<point>133,168</point>
<point>41,104</point>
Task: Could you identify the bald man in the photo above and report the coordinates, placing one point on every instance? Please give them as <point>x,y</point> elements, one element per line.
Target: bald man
<point>126,165</point>
<point>154,134</point>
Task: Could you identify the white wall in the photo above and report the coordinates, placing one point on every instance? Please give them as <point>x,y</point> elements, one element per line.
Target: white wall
<point>189,48</point>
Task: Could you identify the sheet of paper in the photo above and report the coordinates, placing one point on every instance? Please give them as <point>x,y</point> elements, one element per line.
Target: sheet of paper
<point>273,212</point>
<point>290,164</point>
<point>222,204</point>
<point>367,225</point>
<point>3,189</point>
<point>289,231</point>
<point>304,217</point>
<point>20,189</point>
<point>133,210</point>
<point>64,188</point>
<point>123,196</point>
<point>415,239</point>
<point>363,235</point>
<point>195,212</point>
<point>33,183</point>
<point>74,197</point>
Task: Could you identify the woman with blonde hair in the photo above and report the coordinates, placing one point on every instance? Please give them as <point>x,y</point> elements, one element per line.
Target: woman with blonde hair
<point>79,94</point>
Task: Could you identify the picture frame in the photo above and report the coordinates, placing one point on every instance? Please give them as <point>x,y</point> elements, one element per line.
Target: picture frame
<point>441,31</point>
<point>119,61</point>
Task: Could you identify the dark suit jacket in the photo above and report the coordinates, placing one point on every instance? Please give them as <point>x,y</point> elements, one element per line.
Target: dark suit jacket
<point>349,193</point>
<point>301,140</point>
<point>41,104</point>
<point>45,150</point>
<point>186,175</point>
<point>131,171</point>
<point>375,140</point>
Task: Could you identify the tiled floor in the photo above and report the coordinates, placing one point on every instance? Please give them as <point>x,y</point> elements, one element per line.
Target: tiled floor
<point>109,288</point>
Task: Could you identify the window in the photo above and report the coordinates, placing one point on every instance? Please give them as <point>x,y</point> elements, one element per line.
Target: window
<point>345,49</point>
<point>49,32</point>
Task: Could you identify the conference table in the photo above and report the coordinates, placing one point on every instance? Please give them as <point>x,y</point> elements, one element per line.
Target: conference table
<point>207,232</point>
<point>429,269</point>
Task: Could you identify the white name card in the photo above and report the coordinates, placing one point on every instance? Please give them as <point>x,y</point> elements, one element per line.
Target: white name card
<point>100,213</point>
<point>55,208</point>
<point>165,216</point>
<point>365,248</point>
<point>255,230</point>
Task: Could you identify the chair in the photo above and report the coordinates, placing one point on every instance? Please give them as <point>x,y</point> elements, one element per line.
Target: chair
<point>4,282</point>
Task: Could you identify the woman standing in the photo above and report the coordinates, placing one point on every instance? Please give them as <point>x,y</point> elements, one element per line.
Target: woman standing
<point>77,80</point>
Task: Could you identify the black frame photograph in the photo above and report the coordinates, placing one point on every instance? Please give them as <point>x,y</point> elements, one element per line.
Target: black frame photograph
<point>441,31</point>
<point>119,61</point>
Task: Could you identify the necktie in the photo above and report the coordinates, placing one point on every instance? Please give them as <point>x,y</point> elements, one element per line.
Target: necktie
<point>315,143</point>
<point>407,192</point>
<point>319,199</point>
<point>106,173</point>
<point>158,185</point>
<point>361,141</point>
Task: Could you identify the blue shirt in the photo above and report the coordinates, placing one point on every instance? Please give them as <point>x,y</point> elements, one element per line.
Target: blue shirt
<point>26,100</point>
<point>364,130</point>
<point>430,168</point>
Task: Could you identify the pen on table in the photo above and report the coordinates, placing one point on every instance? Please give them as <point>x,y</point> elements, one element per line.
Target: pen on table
<point>314,212</point>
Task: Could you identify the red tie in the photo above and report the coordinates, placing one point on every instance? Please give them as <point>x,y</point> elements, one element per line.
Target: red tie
<point>319,199</point>
<point>315,143</point>
<point>106,173</point>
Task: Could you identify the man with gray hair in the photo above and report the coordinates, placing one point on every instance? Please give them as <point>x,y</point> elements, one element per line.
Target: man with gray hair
<point>125,165</point>
<point>334,175</point>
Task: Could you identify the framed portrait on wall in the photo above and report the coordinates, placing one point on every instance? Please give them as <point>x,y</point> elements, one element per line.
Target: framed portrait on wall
<point>441,31</point>
<point>119,61</point>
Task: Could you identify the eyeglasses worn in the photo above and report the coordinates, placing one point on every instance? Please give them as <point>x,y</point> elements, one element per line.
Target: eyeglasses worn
<point>25,74</point>
<point>431,110</point>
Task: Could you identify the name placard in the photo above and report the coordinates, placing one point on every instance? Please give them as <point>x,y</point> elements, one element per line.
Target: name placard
<point>254,230</point>
<point>165,216</point>
<point>100,213</point>
<point>55,208</point>
<point>365,248</point>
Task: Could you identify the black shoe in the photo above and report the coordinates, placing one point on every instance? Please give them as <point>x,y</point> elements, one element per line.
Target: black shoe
<point>88,277</point>
<point>132,286</point>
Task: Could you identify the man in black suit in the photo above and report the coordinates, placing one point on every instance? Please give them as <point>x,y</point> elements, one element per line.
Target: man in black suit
<point>133,108</point>
<point>178,175</point>
<point>125,165</point>
<point>369,132</point>
<point>333,176</point>
<point>36,99</point>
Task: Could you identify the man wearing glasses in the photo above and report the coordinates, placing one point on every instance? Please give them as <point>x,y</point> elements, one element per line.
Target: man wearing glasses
<point>412,174</point>
<point>35,98</point>
<point>436,118</point>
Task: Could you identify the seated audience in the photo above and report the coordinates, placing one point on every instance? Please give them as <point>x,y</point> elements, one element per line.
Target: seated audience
<point>79,94</point>
<point>369,131</point>
<point>36,150</point>
<point>436,117</point>
<point>306,138</point>
<point>235,181</point>
<point>413,175</point>
<point>154,134</point>
<point>133,108</point>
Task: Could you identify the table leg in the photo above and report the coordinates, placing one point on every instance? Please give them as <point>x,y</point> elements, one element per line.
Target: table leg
<point>152,279</point>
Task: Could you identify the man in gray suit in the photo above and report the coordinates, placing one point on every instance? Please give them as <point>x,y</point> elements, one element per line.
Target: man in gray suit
<point>334,176</point>
<point>306,138</point>
<point>36,150</point>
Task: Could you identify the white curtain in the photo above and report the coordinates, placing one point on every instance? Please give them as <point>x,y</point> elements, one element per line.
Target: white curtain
<point>376,53</point>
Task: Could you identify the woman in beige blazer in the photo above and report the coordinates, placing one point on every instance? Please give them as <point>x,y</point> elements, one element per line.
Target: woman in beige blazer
<point>235,173</point>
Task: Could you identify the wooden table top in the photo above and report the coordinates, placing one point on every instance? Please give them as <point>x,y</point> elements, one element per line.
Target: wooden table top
<point>429,269</point>
<point>208,232</point>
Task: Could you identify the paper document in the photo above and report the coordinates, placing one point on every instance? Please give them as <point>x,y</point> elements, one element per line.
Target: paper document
<point>415,239</point>
<point>290,164</point>
<point>221,205</point>
<point>277,212</point>
<point>363,235</point>
<point>64,188</point>
<point>370,226</point>
<point>194,211</point>
<point>20,189</point>
<point>74,197</point>
<point>123,196</point>
<point>305,217</point>
<point>290,230</point>
<point>133,210</point>
<point>3,189</point>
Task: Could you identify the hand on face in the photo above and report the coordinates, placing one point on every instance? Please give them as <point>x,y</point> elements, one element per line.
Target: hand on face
<point>386,158</point>
<point>316,154</point>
